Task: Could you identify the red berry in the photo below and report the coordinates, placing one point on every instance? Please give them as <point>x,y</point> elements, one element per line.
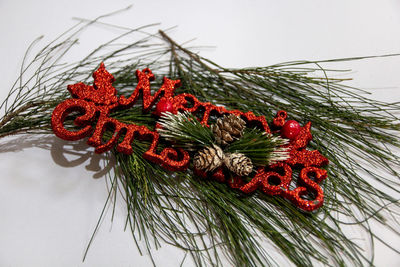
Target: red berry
<point>290,129</point>
<point>164,105</point>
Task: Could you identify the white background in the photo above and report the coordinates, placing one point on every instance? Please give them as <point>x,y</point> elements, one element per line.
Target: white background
<point>49,206</point>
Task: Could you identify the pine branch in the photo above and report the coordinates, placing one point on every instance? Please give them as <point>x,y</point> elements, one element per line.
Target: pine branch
<point>262,149</point>
<point>353,131</point>
<point>185,130</point>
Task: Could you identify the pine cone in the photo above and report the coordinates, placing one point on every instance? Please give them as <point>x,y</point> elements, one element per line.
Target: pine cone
<point>228,128</point>
<point>238,163</point>
<point>209,158</point>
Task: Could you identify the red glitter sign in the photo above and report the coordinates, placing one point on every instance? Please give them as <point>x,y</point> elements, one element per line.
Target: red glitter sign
<point>98,101</point>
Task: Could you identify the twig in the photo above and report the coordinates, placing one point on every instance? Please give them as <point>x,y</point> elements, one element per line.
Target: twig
<point>11,115</point>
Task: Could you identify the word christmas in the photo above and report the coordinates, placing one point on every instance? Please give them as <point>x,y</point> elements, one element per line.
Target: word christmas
<point>98,101</point>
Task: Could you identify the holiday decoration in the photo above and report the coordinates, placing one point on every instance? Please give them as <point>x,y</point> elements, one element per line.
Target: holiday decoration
<point>209,158</point>
<point>238,163</point>
<point>228,128</point>
<point>101,98</point>
<point>103,104</point>
<point>164,105</point>
<point>290,129</point>
<point>215,159</point>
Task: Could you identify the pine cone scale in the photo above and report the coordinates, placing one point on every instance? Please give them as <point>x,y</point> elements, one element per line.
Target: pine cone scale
<point>228,128</point>
<point>209,158</point>
<point>238,163</point>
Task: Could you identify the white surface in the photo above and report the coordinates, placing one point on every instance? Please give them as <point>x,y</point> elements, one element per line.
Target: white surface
<point>49,206</point>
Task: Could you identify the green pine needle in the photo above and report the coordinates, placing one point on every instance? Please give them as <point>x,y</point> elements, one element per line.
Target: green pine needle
<point>184,130</point>
<point>206,218</point>
<point>262,149</point>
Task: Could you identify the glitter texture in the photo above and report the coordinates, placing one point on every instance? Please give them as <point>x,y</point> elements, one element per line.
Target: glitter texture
<point>275,179</point>
<point>98,101</point>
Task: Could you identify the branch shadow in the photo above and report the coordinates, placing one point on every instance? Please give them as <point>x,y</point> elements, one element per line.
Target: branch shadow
<point>67,154</point>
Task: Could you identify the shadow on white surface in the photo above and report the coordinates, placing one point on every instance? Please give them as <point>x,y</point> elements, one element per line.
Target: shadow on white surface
<point>67,154</point>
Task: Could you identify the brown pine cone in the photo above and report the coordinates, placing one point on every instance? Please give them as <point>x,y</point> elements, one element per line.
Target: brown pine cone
<point>238,163</point>
<point>227,129</point>
<point>209,158</point>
